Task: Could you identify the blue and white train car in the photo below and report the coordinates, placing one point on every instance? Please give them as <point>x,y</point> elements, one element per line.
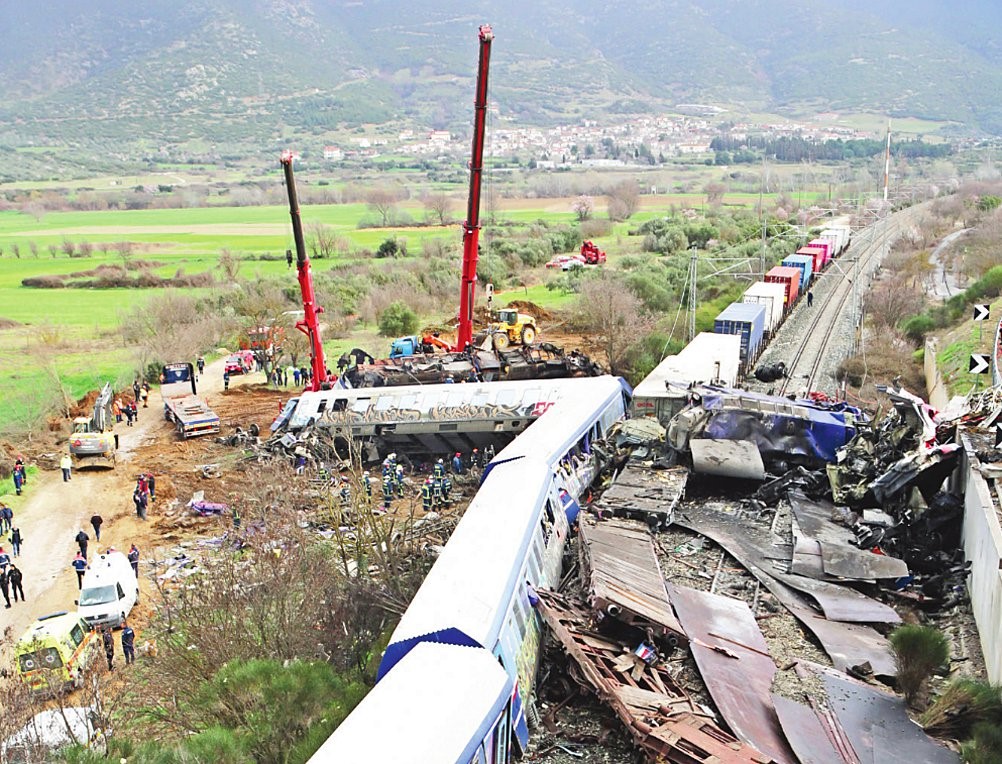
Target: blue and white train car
<point>409,718</point>
<point>563,439</point>
<point>477,594</point>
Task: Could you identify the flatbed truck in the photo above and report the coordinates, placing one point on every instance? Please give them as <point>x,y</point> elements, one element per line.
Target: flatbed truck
<point>183,406</point>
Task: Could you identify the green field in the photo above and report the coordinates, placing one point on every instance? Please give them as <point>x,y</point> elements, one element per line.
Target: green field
<point>65,341</point>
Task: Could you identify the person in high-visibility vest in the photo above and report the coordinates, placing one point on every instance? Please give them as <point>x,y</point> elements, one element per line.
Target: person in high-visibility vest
<point>426,495</point>
<point>387,491</point>
<point>446,489</point>
<point>439,471</point>
<point>436,492</point>
<point>399,476</point>
<point>367,485</point>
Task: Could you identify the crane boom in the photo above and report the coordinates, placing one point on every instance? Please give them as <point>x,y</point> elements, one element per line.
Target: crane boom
<point>471,228</point>
<point>309,324</point>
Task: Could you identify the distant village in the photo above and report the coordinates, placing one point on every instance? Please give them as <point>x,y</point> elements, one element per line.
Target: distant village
<point>640,140</point>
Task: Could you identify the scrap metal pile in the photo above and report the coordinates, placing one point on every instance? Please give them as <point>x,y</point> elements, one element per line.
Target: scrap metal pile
<point>628,630</point>
<point>540,361</point>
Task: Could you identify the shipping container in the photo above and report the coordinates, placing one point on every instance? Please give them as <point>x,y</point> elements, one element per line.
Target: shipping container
<point>708,359</point>
<point>747,320</point>
<point>806,265</point>
<point>817,254</point>
<point>790,277</point>
<point>829,247</point>
<point>841,235</point>
<point>773,296</point>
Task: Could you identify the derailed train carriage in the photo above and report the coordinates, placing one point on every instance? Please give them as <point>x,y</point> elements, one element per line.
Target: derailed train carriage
<point>475,610</point>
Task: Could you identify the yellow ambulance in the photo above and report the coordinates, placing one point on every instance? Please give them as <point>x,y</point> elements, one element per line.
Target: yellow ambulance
<point>55,652</point>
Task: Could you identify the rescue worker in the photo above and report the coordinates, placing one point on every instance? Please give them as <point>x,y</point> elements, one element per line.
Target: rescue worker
<point>96,522</point>
<point>236,518</point>
<point>388,491</point>
<point>16,539</point>
<point>474,458</point>
<point>14,578</point>
<point>128,643</point>
<point>345,493</point>
<point>109,647</point>
<point>398,474</point>
<point>134,559</point>
<point>4,588</point>
<point>436,493</point>
<point>66,465</point>
<point>426,495</point>
<point>446,489</point>
<point>439,471</point>
<point>80,566</point>
<point>226,380</point>
<point>457,464</point>
<point>201,366</point>
<point>367,485</point>
<point>489,453</point>
<point>82,538</point>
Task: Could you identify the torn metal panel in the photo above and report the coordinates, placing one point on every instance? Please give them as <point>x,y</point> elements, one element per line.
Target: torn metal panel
<point>926,470</point>
<point>660,717</point>
<point>643,493</point>
<point>806,734</point>
<point>806,554</point>
<point>846,644</point>
<point>841,603</point>
<point>878,725</point>
<point>735,664</point>
<point>728,458</point>
<point>838,556</point>
<point>623,577</point>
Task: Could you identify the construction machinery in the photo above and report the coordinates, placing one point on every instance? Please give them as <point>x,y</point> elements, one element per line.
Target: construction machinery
<point>309,324</point>
<point>190,413</point>
<point>412,345</point>
<point>510,328</point>
<point>592,254</point>
<point>93,444</point>
<point>471,227</point>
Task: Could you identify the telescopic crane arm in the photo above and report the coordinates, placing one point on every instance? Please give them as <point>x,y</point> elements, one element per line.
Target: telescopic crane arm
<point>471,228</point>
<point>309,324</point>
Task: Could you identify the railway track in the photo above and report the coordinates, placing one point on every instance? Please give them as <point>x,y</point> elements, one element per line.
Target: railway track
<point>814,340</point>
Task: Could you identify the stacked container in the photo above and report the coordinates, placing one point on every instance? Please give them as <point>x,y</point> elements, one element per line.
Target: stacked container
<point>790,278</point>
<point>746,320</point>
<point>806,265</point>
<point>818,255</point>
<point>773,297</point>
<point>827,245</point>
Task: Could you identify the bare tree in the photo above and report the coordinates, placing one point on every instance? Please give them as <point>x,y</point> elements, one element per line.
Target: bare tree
<point>613,315</point>
<point>891,301</point>
<point>53,250</point>
<point>624,200</point>
<point>229,265</point>
<point>68,247</point>
<point>125,250</point>
<point>16,249</point>
<point>170,327</point>
<point>383,201</point>
<point>715,194</point>
<point>438,207</point>
<point>33,246</point>
<point>321,241</point>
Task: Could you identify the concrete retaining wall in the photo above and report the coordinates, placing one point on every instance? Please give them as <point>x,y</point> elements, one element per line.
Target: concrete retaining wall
<point>983,547</point>
<point>939,397</point>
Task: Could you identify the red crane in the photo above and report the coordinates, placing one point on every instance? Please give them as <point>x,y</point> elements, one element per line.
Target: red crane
<point>471,228</point>
<point>308,325</point>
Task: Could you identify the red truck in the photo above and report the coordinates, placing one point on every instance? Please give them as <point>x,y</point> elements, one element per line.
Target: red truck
<point>592,254</point>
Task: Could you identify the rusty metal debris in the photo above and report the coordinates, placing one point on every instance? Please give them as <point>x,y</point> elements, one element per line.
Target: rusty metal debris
<point>623,578</point>
<point>659,715</point>
<point>735,664</point>
<point>807,735</point>
<point>645,494</point>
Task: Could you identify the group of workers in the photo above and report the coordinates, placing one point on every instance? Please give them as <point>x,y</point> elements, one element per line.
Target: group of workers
<point>435,491</point>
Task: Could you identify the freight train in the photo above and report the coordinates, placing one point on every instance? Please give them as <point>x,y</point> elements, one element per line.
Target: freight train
<point>459,669</point>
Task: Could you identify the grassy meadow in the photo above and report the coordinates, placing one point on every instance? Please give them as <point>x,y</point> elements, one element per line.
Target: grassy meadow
<point>56,342</point>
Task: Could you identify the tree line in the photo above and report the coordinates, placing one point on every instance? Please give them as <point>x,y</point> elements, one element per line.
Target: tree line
<point>753,148</point>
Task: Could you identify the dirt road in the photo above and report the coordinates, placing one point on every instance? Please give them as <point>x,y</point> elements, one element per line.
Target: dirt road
<point>55,511</point>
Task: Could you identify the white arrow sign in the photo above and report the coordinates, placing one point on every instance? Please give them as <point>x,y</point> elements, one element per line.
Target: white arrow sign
<point>980,312</point>
<point>979,363</point>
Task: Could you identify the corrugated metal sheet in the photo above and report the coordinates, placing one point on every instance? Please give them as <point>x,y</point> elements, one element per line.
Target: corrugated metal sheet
<point>623,578</point>
<point>645,494</point>
<point>788,276</point>
<point>746,320</point>
<point>806,734</point>
<point>803,263</point>
<point>735,664</point>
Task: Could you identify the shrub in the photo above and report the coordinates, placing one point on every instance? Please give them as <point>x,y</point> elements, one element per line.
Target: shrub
<point>398,319</point>
<point>917,327</point>
<point>918,652</point>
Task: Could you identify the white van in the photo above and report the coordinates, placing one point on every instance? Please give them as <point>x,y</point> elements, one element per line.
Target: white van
<point>110,589</point>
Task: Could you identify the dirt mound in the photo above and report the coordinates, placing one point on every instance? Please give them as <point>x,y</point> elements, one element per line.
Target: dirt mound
<point>536,311</point>
<point>9,323</point>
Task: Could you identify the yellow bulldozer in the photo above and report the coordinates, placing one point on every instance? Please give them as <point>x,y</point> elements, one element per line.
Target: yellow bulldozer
<point>510,328</point>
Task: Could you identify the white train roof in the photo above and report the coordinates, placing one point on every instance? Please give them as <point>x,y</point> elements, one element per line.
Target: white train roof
<point>408,718</point>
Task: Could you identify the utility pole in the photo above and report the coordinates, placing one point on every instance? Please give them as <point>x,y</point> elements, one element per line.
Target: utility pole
<point>693,277</point>
<point>887,160</point>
